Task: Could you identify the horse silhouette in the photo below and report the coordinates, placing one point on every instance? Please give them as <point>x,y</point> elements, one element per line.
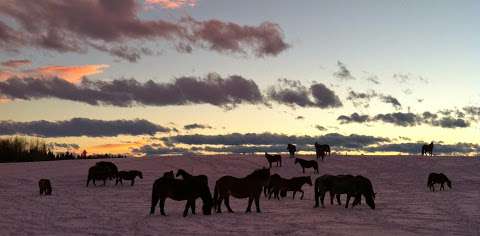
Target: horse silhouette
<point>307,164</point>
<point>45,187</point>
<point>248,187</point>
<point>438,178</point>
<point>321,150</point>
<point>128,175</point>
<point>181,190</point>
<point>273,158</point>
<point>353,186</point>
<point>99,172</point>
<point>294,185</point>
<point>274,182</point>
<point>291,149</point>
<point>427,149</point>
<point>186,175</point>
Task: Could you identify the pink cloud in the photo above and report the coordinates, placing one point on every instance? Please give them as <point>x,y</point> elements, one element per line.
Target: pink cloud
<point>172,4</point>
<point>73,74</point>
<point>16,63</point>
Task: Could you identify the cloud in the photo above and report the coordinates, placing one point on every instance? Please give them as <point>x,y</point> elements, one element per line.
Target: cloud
<point>321,128</point>
<point>343,73</point>
<point>159,150</point>
<point>373,78</point>
<point>391,100</point>
<point>353,118</point>
<point>415,148</point>
<point>72,74</point>
<point>363,99</point>
<point>300,118</point>
<point>172,4</point>
<point>196,126</point>
<point>65,146</point>
<point>16,63</point>
<point>399,118</point>
<point>291,93</point>
<point>81,127</point>
<point>110,25</point>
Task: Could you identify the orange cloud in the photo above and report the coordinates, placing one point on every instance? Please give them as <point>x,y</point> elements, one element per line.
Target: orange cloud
<point>70,73</point>
<point>114,148</point>
<point>172,4</point>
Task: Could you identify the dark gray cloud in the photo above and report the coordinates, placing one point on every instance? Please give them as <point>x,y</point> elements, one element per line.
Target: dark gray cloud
<point>398,118</point>
<point>289,92</point>
<point>196,126</point>
<point>299,117</point>
<point>65,145</point>
<point>363,99</point>
<point>16,63</point>
<point>343,72</point>
<point>353,118</point>
<point>391,100</point>
<point>81,127</point>
<point>373,78</point>
<point>160,150</point>
<point>321,128</point>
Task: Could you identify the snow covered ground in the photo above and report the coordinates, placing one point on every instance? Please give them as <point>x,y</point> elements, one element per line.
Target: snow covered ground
<point>404,206</point>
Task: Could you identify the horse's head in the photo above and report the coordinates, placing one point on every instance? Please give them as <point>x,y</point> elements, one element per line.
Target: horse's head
<point>370,199</point>
<point>449,183</point>
<point>207,199</point>
<point>309,180</point>
<point>179,172</point>
<point>169,175</point>
<point>139,174</point>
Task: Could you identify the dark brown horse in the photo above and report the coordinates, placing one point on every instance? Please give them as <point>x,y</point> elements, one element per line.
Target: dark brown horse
<point>248,187</point>
<point>291,149</point>
<point>180,190</point>
<point>110,167</point>
<point>307,164</point>
<point>293,185</point>
<point>274,183</point>
<point>45,187</point>
<point>427,149</point>
<point>128,175</point>
<point>186,175</point>
<point>273,158</point>
<point>353,186</point>
<point>438,178</point>
<point>321,150</point>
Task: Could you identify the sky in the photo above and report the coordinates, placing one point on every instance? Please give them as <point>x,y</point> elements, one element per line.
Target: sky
<point>160,77</point>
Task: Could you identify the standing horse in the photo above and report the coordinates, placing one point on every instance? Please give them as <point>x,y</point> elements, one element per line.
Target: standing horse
<point>427,148</point>
<point>273,158</point>
<point>438,178</point>
<point>186,175</point>
<point>248,187</point>
<point>291,149</point>
<point>321,150</point>
<point>293,185</point>
<point>307,164</point>
<point>128,175</point>
<point>180,190</point>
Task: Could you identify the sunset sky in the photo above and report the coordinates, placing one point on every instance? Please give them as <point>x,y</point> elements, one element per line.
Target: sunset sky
<point>159,77</point>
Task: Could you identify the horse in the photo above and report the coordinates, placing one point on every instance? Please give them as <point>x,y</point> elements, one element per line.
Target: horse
<point>186,175</point>
<point>98,172</point>
<point>128,175</point>
<point>248,187</point>
<point>180,190</point>
<point>307,164</point>
<point>293,185</point>
<point>273,158</point>
<point>353,186</point>
<point>45,187</point>
<point>438,178</point>
<point>291,149</point>
<point>427,148</point>
<point>273,184</point>
<point>112,168</point>
<point>321,150</point>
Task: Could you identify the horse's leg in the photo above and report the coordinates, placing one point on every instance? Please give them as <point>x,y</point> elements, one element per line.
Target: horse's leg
<point>227,204</point>
<point>249,207</point>
<point>95,184</point>
<point>442,187</point>
<point>187,206</point>
<point>219,203</point>
<point>294,192</point>
<point>322,198</point>
<point>257,203</point>
<point>303,169</point>
<point>104,182</point>
<point>301,198</point>
<point>338,199</point>
<point>154,204</point>
<point>348,200</point>
<point>192,206</point>
<point>162,206</point>
<point>116,182</point>
<point>133,182</point>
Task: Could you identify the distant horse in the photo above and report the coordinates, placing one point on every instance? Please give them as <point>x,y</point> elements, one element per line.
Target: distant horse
<point>180,190</point>
<point>248,187</point>
<point>353,186</point>
<point>321,150</point>
<point>291,149</point>
<point>98,172</point>
<point>307,164</point>
<point>128,175</point>
<point>427,148</point>
<point>45,187</point>
<point>273,183</point>
<point>293,185</point>
<point>110,167</point>
<point>273,158</point>
<point>186,175</point>
<point>438,178</point>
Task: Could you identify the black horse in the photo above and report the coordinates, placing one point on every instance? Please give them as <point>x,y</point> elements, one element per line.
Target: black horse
<point>273,184</point>
<point>110,167</point>
<point>321,150</point>
<point>186,175</point>
<point>438,178</point>
<point>293,185</point>
<point>181,190</point>
<point>128,175</point>
<point>98,172</point>
<point>45,187</point>
<point>427,149</point>
<point>353,186</point>
<point>273,158</point>
<point>291,149</point>
<point>307,164</point>
<point>248,187</point>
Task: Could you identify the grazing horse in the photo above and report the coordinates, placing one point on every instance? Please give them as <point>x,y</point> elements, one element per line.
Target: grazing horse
<point>307,164</point>
<point>353,186</point>
<point>98,172</point>
<point>248,187</point>
<point>45,187</point>
<point>273,158</point>
<point>293,185</point>
<point>427,149</point>
<point>180,190</point>
<point>291,149</point>
<point>321,150</point>
<point>128,175</point>
<point>186,175</point>
<point>438,178</point>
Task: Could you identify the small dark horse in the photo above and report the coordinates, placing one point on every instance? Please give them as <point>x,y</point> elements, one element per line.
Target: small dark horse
<point>438,178</point>
<point>427,149</point>
<point>45,187</point>
<point>112,168</point>
<point>128,175</point>
<point>97,172</point>
<point>353,186</point>
<point>186,175</point>
<point>321,150</point>
<point>307,164</point>
<point>274,182</point>
<point>180,190</point>
<point>248,187</point>
<point>291,149</point>
<point>293,185</point>
<point>273,158</point>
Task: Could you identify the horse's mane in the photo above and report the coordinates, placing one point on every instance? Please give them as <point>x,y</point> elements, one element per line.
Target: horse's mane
<point>257,172</point>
